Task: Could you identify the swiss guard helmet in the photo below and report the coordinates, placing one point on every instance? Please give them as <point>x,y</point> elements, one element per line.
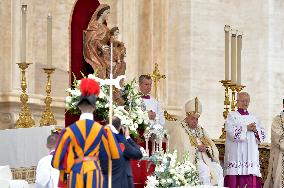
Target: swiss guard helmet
<point>90,89</point>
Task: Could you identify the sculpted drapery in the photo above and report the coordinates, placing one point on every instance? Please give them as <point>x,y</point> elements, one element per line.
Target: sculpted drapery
<point>97,39</point>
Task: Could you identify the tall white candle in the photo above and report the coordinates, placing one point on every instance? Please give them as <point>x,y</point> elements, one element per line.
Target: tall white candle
<point>233,60</point>
<point>239,59</point>
<point>227,53</point>
<point>23,37</point>
<point>49,40</point>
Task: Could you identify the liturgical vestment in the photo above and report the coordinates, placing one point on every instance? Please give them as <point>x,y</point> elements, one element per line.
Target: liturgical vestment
<point>46,176</point>
<point>241,150</point>
<point>78,149</point>
<point>152,104</point>
<point>275,175</point>
<point>185,141</point>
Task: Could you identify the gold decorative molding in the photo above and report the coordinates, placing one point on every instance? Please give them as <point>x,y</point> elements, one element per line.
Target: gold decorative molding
<point>169,117</point>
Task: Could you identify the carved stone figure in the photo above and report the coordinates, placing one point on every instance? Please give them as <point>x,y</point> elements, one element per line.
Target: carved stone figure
<point>96,42</point>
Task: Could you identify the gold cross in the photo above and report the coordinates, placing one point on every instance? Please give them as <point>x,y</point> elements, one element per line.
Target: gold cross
<point>156,76</point>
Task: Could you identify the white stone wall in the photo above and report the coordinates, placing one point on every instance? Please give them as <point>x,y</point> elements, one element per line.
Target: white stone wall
<point>185,37</point>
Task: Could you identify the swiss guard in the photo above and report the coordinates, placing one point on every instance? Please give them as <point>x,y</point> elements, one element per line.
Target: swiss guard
<point>79,145</point>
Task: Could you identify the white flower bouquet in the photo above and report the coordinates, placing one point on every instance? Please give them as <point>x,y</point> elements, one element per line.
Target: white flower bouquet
<point>131,113</point>
<point>171,173</point>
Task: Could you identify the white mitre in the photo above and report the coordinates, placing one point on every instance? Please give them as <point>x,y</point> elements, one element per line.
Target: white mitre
<point>193,107</point>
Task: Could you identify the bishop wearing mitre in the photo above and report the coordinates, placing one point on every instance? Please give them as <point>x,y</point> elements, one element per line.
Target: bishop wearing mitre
<point>188,137</point>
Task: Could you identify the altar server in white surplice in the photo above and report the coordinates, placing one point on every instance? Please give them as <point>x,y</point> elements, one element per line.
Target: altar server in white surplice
<point>153,107</point>
<point>46,175</point>
<point>243,134</point>
<point>188,136</point>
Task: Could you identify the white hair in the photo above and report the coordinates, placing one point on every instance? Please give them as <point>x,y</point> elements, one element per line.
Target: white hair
<point>242,94</point>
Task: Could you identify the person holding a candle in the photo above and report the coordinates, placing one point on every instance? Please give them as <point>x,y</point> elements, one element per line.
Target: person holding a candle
<point>243,135</point>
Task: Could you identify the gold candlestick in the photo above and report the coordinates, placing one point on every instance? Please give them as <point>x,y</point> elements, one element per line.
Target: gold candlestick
<point>47,117</point>
<point>226,84</point>
<point>25,118</point>
<point>239,88</point>
<point>233,101</point>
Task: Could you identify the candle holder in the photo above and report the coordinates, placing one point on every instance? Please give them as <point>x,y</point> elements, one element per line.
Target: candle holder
<point>239,88</point>
<point>226,84</point>
<point>47,117</point>
<point>25,118</point>
<point>233,101</point>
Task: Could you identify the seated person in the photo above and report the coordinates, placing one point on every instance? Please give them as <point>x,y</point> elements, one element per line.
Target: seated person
<point>189,137</point>
<point>46,175</point>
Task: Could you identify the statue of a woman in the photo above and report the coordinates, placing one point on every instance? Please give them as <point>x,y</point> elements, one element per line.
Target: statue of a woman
<point>96,42</point>
<point>97,39</point>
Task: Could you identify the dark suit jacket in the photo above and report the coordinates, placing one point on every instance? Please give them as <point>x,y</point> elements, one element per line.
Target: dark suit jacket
<point>121,168</point>
<point>131,151</point>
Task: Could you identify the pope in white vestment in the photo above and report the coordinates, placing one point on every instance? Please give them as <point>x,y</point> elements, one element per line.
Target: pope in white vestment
<point>243,135</point>
<point>155,111</point>
<point>187,137</point>
<point>46,175</point>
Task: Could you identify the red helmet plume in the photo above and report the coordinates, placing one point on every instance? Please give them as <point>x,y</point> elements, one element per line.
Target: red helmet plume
<point>89,86</point>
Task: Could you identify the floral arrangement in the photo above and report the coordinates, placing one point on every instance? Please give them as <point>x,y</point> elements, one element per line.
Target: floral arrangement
<point>171,173</point>
<point>131,113</point>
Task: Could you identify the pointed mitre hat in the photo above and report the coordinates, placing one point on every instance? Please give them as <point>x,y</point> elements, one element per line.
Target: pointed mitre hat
<point>193,107</point>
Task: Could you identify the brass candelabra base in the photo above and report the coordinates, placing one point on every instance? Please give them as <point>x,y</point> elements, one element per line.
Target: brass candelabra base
<point>25,118</point>
<point>47,117</point>
<point>226,84</point>
<point>233,101</point>
<point>239,88</point>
